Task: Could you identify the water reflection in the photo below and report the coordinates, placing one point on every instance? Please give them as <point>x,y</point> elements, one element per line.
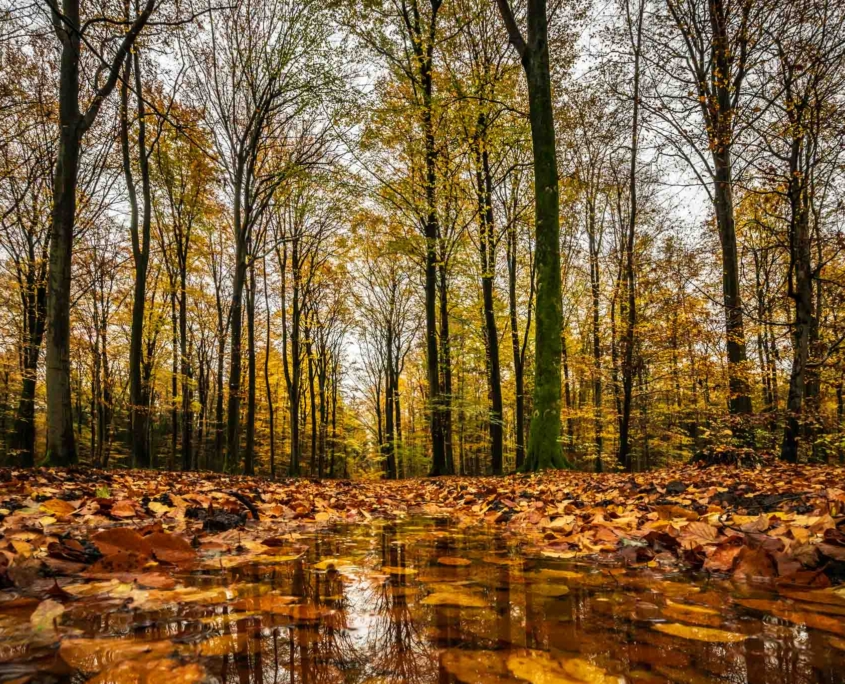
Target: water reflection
<point>419,602</point>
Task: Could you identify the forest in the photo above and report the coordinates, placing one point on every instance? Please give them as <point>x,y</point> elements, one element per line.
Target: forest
<point>415,341</point>
<point>394,238</point>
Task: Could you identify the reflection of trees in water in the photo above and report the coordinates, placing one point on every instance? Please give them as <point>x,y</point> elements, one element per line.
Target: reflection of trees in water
<point>319,650</point>
<point>395,647</point>
<point>313,647</point>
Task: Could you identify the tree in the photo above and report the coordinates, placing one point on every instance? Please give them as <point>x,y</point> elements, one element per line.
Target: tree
<point>75,119</point>
<point>543,445</point>
<point>705,66</point>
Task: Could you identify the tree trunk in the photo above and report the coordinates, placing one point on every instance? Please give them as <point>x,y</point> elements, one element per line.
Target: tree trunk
<point>35,301</point>
<point>186,372</point>
<point>544,439</point>
<point>233,426</point>
<point>596,336</point>
<point>138,415</point>
<point>487,243</point>
<point>800,290</point>
<point>61,445</point>
<point>439,463</point>
<point>312,399</point>
<point>446,362</point>
<point>174,378</point>
<point>249,452</point>
<point>740,398</point>
<point>516,348</point>
<point>270,405</point>
<point>628,340</point>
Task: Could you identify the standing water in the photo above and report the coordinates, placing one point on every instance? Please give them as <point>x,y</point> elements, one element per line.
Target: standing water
<point>419,601</point>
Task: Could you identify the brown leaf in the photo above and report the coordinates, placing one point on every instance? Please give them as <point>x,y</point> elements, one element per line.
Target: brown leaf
<point>171,548</point>
<point>755,565</point>
<point>121,539</point>
<point>122,561</point>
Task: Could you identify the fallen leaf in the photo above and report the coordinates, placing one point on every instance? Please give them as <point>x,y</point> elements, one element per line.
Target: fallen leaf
<point>57,507</point>
<point>46,616</point>
<point>699,633</point>
<point>93,655</point>
<point>121,539</point>
<point>454,598</point>
<point>171,548</point>
<point>539,667</point>
<point>449,560</point>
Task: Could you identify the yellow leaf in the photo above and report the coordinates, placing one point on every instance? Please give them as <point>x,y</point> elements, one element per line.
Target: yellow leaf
<point>331,564</point>
<point>699,633</point>
<point>93,655</point>
<point>392,570</point>
<point>538,667</point>
<point>46,615</point>
<point>454,598</point>
<point>57,507</point>
<point>448,560</point>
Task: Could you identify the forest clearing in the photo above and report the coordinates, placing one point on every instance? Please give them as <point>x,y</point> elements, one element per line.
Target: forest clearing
<point>381,341</point>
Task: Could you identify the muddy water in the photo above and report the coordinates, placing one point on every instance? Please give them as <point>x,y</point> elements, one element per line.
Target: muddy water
<point>421,602</point>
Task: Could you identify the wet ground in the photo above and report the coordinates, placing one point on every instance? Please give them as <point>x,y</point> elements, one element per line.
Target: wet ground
<point>421,601</point>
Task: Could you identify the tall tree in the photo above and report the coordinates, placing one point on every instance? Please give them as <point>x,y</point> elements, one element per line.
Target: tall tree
<point>533,49</point>
<point>75,119</point>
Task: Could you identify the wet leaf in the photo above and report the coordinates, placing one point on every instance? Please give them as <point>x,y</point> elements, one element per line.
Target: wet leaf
<point>161,671</point>
<point>46,616</point>
<point>332,564</point>
<point>450,560</point>
<point>92,655</point>
<point>171,548</point>
<point>392,570</point>
<point>454,598</point>
<point>476,667</point>
<point>538,667</point>
<point>699,633</point>
<point>121,539</point>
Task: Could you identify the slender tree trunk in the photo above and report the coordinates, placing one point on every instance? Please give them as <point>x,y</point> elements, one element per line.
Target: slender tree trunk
<point>312,398</point>
<point>740,398</point>
<point>233,426</point>
<point>140,255</point>
<point>487,243</point>
<point>61,443</point>
<point>270,404</point>
<point>446,362</point>
<point>186,371</point>
<point>174,378</point>
<point>23,437</point>
<point>249,452</point>
<point>518,363</point>
<point>389,414</point>
<point>324,412</point>
<point>596,338</point>
<point>424,52</point>
<point>628,341</point>
<point>333,447</point>
<point>570,421</point>
<point>218,391</point>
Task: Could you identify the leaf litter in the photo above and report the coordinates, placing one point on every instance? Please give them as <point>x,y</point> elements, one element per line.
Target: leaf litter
<point>172,575</point>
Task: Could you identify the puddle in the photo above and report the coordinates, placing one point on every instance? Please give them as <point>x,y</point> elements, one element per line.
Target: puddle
<point>421,601</point>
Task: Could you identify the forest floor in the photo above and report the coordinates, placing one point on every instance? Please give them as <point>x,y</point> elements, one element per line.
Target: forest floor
<point>688,574</point>
<point>775,524</point>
